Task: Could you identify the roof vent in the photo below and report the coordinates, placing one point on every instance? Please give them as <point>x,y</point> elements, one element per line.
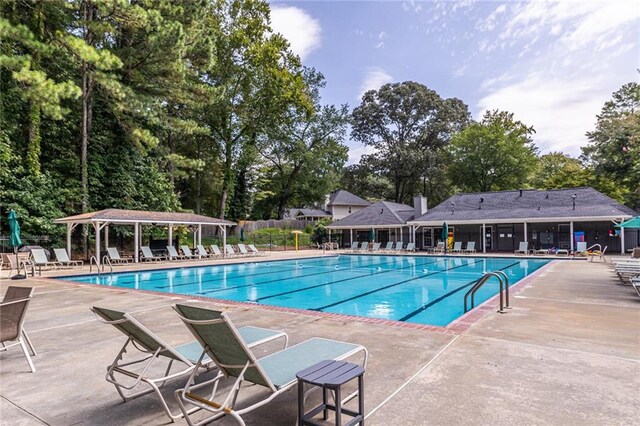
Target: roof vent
<point>538,207</point>
<point>381,211</point>
<point>573,199</point>
<point>521,192</point>
<point>547,196</point>
<point>453,207</point>
<point>480,207</point>
<point>482,199</point>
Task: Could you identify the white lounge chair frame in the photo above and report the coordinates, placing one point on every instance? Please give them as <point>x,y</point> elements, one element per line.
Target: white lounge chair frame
<point>174,255</point>
<point>186,251</point>
<point>148,256</point>
<point>251,368</point>
<point>229,250</point>
<point>114,256</point>
<point>399,245</point>
<point>523,248</point>
<point>411,247</point>
<point>471,247</point>
<point>457,247</point>
<point>151,347</point>
<point>258,252</point>
<point>202,252</point>
<point>243,250</point>
<point>63,258</point>
<point>40,260</point>
<point>215,251</point>
<point>389,246</point>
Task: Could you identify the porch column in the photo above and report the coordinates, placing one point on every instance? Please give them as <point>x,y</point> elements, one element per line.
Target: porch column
<point>200,234</point>
<point>413,234</point>
<point>329,236</point>
<point>350,236</point>
<point>224,240</point>
<point>69,229</point>
<point>96,226</point>
<point>571,234</point>
<point>526,237</point>
<point>170,238</point>
<point>136,244</point>
<point>106,237</point>
<point>621,240</point>
<point>484,238</point>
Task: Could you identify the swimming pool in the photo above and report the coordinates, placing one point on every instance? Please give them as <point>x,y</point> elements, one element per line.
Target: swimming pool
<point>422,290</point>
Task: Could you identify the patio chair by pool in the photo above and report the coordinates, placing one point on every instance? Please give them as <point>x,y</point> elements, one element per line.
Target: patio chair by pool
<point>63,258</point>
<point>144,347</point>
<point>202,252</point>
<point>256,251</point>
<point>439,247</point>
<point>399,245</point>
<point>376,247</point>
<point>223,343</point>
<point>187,252</point>
<point>12,314</point>
<point>599,254</point>
<point>148,256</point>
<point>523,248</point>
<point>410,247</point>
<point>355,246</point>
<point>230,251</point>
<point>40,260</point>
<point>215,251</point>
<point>243,250</point>
<point>389,246</point>
<point>114,256</point>
<point>174,255</point>
<point>364,246</point>
<point>471,247</point>
<point>457,247</point>
<point>18,293</point>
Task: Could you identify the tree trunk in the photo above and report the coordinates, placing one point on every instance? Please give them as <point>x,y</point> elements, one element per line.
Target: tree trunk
<point>87,92</point>
<point>33,144</point>
<point>227,180</point>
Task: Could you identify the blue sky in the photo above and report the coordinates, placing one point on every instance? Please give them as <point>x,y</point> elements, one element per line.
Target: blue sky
<point>552,63</point>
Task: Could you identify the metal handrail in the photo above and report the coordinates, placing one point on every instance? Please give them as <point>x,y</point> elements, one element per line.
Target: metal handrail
<point>107,261</point>
<point>506,287</point>
<point>91,261</point>
<point>481,281</point>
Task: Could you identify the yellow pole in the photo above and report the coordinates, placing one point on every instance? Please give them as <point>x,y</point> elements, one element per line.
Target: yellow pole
<point>296,243</point>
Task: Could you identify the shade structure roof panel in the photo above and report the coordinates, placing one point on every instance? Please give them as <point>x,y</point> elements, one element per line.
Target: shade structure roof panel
<point>141,216</point>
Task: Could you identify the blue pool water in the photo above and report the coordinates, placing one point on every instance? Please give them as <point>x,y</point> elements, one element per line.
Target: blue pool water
<point>423,290</point>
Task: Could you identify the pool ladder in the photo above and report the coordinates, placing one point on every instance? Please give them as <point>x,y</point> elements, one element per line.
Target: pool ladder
<point>504,291</point>
<point>105,261</point>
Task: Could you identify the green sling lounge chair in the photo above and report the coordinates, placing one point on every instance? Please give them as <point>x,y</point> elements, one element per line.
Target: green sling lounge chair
<point>63,258</point>
<point>143,347</point>
<point>224,344</point>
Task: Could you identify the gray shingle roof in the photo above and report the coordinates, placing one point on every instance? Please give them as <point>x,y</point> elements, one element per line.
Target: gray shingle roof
<point>345,198</point>
<point>312,212</point>
<point>127,216</point>
<point>382,213</point>
<point>532,204</point>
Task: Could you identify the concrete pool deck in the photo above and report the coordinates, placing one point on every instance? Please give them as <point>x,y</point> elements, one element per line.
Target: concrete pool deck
<point>567,353</point>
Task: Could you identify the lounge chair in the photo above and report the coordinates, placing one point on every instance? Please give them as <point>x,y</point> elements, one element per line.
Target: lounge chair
<point>258,252</point>
<point>215,251</point>
<point>63,258</point>
<point>389,246</point>
<point>635,283</point>
<point>40,260</point>
<point>376,247</point>
<point>202,252</point>
<point>599,254</point>
<point>440,248</point>
<point>229,250</point>
<point>223,343</point>
<point>457,247</point>
<point>581,248</point>
<point>523,248</point>
<point>19,293</point>
<point>355,246</point>
<point>243,250</point>
<point>114,256</point>
<point>399,245</point>
<point>21,263</point>
<point>364,246</point>
<point>12,314</point>
<point>471,247</point>
<point>148,256</point>
<point>174,255</point>
<point>186,251</point>
<point>145,347</point>
<point>410,247</point>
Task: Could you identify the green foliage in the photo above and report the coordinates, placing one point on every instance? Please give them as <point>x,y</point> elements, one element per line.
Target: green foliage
<point>320,232</point>
<point>496,154</point>
<point>407,125</point>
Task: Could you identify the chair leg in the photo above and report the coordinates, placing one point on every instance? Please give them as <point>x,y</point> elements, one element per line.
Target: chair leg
<point>26,354</point>
<point>26,339</point>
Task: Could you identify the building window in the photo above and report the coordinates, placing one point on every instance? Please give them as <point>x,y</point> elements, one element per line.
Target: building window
<point>349,209</point>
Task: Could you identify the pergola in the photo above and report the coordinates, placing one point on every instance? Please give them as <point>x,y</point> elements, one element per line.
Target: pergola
<point>103,218</point>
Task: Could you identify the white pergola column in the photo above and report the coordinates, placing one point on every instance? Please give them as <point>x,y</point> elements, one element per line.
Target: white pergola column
<point>136,242</point>
<point>350,236</point>
<point>621,240</point>
<point>413,234</point>
<point>484,238</point>
<point>106,237</point>
<point>96,227</point>
<point>69,230</point>
<point>329,236</point>
<point>170,237</point>
<point>199,234</point>
<point>571,234</point>
<point>526,236</point>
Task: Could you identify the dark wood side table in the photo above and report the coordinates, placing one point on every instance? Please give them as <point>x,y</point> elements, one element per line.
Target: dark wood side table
<point>330,375</point>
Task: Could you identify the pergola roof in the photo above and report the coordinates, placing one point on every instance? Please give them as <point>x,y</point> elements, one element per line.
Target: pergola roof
<point>129,217</point>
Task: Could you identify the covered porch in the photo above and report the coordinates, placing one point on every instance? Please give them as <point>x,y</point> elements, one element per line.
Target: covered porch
<point>100,221</point>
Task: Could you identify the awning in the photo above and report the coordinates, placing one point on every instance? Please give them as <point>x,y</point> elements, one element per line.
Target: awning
<point>631,223</point>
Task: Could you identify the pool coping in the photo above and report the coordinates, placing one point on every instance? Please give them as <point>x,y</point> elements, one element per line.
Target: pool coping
<point>457,326</point>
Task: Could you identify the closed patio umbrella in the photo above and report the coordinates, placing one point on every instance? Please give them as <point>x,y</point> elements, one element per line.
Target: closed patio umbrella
<point>445,235</point>
<point>372,235</point>
<point>14,239</point>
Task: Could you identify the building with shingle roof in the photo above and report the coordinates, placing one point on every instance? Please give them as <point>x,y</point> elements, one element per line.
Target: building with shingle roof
<point>338,204</point>
<point>557,218</point>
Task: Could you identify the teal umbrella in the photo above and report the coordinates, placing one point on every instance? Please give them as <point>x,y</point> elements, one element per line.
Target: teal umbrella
<point>372,235</point>
<point>14,239</point>
<point>631,223</point>
<point>445,235</point>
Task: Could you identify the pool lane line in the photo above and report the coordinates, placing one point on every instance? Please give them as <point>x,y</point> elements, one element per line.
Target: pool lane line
<point>444,296</point>
<point>331,283</point>
<point>386,287</point>
<point>332,270</point>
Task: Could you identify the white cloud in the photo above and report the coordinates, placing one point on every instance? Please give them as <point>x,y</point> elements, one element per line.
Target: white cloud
<point>301,30</point>
<point>382,35</point>
<point>374,78</point>
<point>379,45</point>
<point>356,152</point>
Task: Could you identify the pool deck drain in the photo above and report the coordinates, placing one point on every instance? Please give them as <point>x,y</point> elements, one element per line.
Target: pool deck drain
<point>567,353</point>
